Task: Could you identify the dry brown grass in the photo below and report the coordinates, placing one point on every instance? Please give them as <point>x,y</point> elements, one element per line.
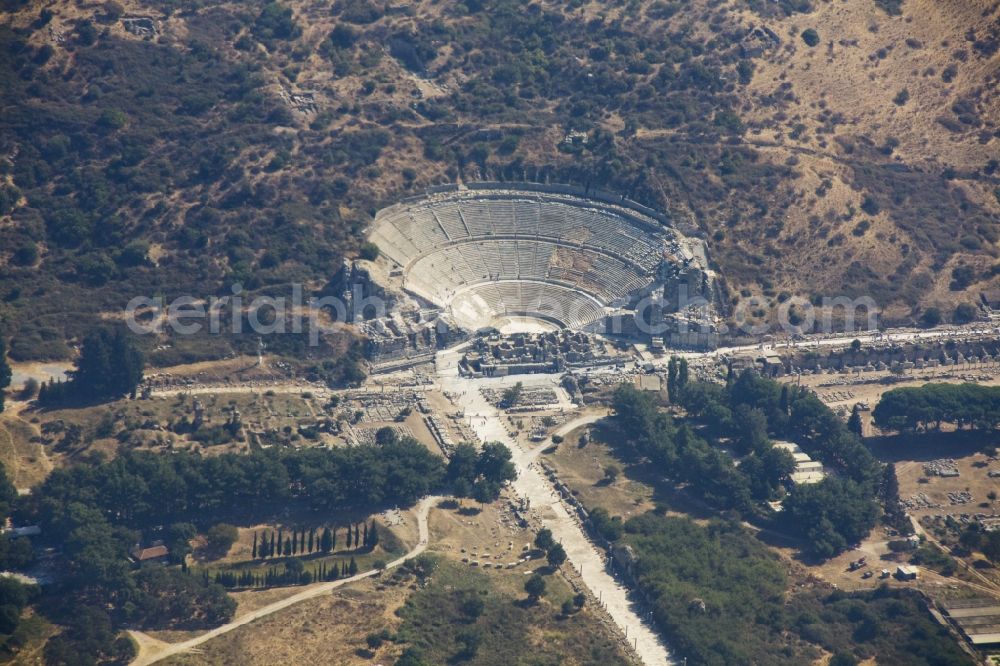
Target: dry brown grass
<point>328,630</point>
<point>23,458</point>
<point>864,60</point>
<point>582,469</point>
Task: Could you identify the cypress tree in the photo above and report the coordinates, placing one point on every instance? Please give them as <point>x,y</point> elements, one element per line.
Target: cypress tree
<point>310,544</point>
<point>672,378</point>
<point>352,569</point>
<point>357,536</point>
<point>295,542</point>
<point>5,372</point>
<point>254,554</point>
<point>326,541</point>
<point>373,536</point>
<point>302,541</point>
<point>348,537</point>
<point>288,547</point>
<point>854,423</point>
<point>364,536</point>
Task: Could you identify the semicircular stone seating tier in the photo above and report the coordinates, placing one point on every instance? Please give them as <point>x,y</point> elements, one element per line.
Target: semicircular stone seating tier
<point>519,257</point>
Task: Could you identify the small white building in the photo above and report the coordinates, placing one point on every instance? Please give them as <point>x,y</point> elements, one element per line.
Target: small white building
<point>807,470</point>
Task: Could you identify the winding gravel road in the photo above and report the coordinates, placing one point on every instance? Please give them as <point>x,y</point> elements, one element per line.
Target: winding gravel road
<point>152,650</point>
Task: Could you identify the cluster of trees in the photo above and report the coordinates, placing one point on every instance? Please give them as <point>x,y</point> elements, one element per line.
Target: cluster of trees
<point>275,22</point>
<point>5,373</point>
<point>511,396</point>
<point>14,554</point>
<point>607,526</point>
<point>555,554</point>
<point>14,597</point>
<point>306,542</point>
<point>169,597</point>
<point>745,414</point>
<point>143,490</point>
<point>974,538</point>
<point>88,637</point>
<point>686,457</point>
<point>678,376</point>
<point>681,565</point>
<point>481,474</point>
<point>293,573</point>
<point>887,625</point>
<point>110,366</point>
<point>929,406</point>
<point>700,578</point>
<point>96,512</point>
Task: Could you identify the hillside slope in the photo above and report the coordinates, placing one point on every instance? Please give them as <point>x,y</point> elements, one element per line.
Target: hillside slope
<point>179,147</point>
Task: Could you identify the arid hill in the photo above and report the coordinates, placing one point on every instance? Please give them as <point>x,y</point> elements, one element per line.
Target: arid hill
<point>824,148</point>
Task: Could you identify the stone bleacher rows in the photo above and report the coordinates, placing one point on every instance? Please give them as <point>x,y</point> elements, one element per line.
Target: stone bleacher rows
<point>443,272</point>
<point>408,232</point>
<point>567,306</point>
<point>547,250</point>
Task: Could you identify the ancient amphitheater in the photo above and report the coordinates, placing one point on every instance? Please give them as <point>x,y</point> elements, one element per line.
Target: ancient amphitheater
<point>492,256</point>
